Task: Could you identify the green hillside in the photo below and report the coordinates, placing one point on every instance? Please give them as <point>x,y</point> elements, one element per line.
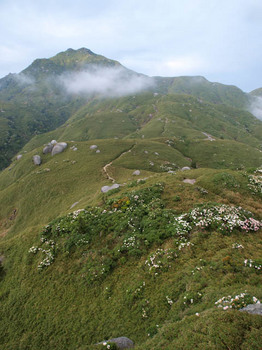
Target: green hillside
<point>167,257</point>
<point>38,96</point>
<point>256,92</point>
<point>100,270</point>
<point>203,89</point>
<point>38,101</point>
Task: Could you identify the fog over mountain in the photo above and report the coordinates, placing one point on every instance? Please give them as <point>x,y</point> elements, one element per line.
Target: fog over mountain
<point>256,107</point>
<point>106,81</point>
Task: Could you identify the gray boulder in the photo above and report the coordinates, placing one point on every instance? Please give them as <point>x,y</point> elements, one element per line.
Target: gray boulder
<point>189,181</point>
<point>59,147</point>
<point>185,168</point>
<point>53,142</point>
<point>73,205</point>
<point>48,148</point>
<point>37,160</point>
<point>121,342</point>
<point>19,156</point>
<point>93,147</point>
<point>136,172</point>
<point>255,309</point>
<point>105,189</point>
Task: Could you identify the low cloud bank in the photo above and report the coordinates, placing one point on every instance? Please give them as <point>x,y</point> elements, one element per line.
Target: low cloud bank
<point>108,81</point>
<point>256,107</point>
<point>23,79</point>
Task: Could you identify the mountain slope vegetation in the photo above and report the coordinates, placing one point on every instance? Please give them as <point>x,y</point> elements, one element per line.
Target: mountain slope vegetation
<point>167,257</point>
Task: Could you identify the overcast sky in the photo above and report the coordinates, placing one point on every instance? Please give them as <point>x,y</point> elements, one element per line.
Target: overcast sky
<point>219,39</point>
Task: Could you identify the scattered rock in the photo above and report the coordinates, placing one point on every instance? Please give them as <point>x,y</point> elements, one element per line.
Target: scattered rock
<point>209,137</point>
<point>105,189</point>
<point>53,142</point>
<point>136,172</point>
<point>58,148</point>
<point>37,160</point>
<point>255,309</point>
<point>13,215</point>
<point>157,154</point>
<point>189,181</point>
<point>93,147</point>
<point>121,342</point>
<point>185,168</point>
<point>146,152</point>
<point>19,156</point>
<point>73,205</point>
<point>48,148</point>
<point>98,151</point>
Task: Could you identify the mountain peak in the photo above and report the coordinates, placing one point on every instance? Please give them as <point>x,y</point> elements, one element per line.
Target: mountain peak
<point>81,51</point>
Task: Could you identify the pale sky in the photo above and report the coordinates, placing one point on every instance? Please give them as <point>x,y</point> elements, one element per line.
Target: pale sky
<point>218,39</point>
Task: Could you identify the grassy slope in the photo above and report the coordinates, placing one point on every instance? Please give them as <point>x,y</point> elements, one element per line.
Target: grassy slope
<point>62,307</point>
<point>59,309</point>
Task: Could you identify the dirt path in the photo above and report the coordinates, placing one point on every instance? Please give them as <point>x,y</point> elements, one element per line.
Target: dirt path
<point>165,126</point>
<point>105,168</point>
<point>209,137</point>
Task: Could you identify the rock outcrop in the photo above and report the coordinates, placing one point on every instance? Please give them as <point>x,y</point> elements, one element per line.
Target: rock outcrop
<point>37,160</point>
<point>93,147</point>
<point>255,309</point>
<point>48,148</point>
<point>121,342</point>
<point>185,168</point>
<point>105,189</point>
<point>59,147</point>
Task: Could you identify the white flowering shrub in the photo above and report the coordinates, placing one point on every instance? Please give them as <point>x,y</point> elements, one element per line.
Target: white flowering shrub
<point>169,300</point>
<point>223,218</point>
<point>48,251</point>
<point>255,264</point>
<point>160,261</point>
<point>255,181</point>
<point>109,345</point>
<point>133,224</point>
<point>236,302</point>
<point>237,246</point>
<point>192,298</point>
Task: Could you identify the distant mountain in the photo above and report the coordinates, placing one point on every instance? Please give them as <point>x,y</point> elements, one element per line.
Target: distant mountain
<point>202,88</point>
<point>33,101</point>
<point>257,92</point>
<point>48,92</point>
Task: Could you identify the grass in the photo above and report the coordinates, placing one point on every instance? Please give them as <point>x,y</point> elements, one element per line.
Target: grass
<point>59,308</point>
<point>127,266</point>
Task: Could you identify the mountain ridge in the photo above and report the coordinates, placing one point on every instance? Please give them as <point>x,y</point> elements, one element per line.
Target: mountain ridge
<point>146,223</point>
<point>42,90</point>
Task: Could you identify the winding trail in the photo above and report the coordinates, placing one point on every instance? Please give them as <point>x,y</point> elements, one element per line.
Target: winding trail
<point>165,126</point>
<point>209,137</point>
<point>105,168</point>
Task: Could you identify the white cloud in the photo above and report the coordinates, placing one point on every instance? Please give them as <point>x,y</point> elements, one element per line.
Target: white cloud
<point>256,107</point>
<point>115,81</point>
<point>218,39</point>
